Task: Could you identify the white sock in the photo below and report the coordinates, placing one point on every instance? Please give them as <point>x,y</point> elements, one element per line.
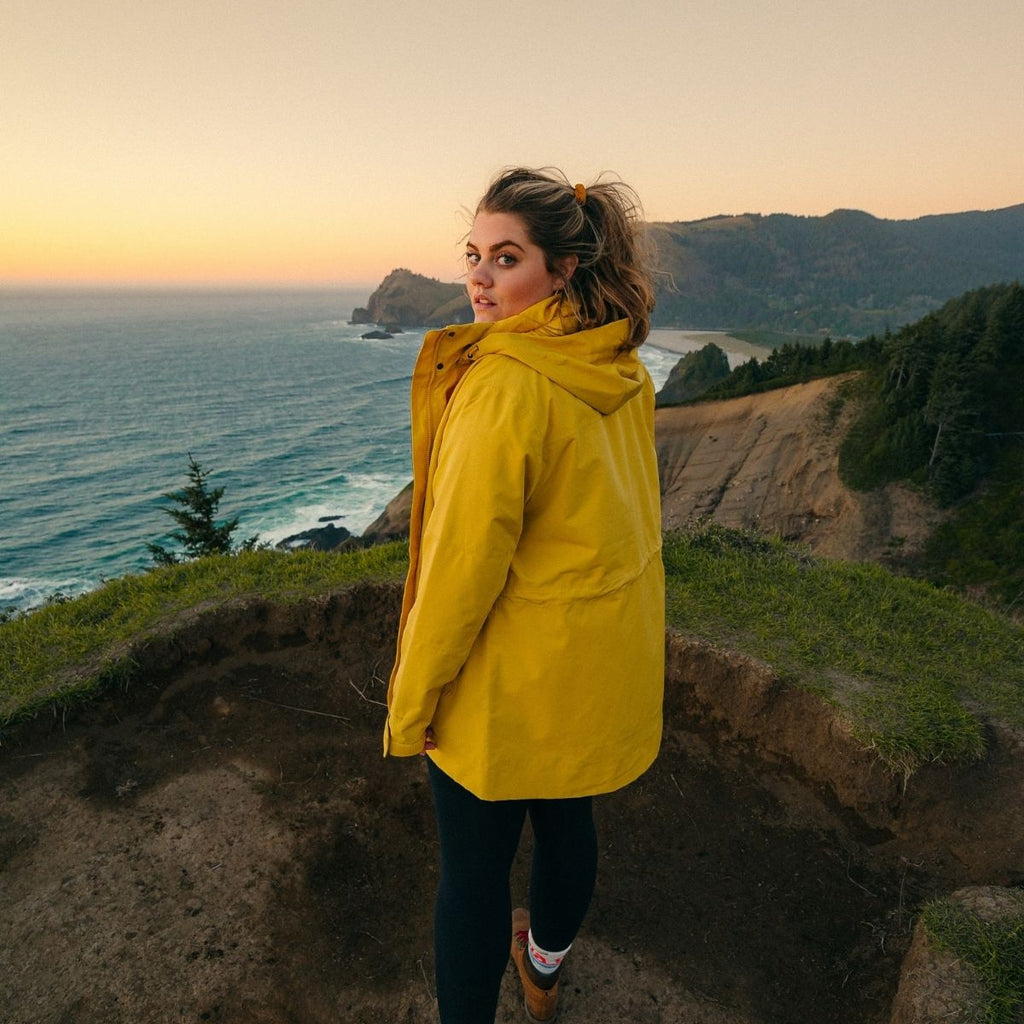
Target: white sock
<point>545,961</point>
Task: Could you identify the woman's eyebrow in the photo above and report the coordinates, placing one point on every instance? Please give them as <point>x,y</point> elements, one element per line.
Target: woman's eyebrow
<point>497,245</point>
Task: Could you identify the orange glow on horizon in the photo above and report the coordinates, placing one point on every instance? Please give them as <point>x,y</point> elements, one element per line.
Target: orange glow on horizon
<point>333,143</point>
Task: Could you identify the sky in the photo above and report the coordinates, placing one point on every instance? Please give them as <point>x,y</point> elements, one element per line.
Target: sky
<point>327,142</point>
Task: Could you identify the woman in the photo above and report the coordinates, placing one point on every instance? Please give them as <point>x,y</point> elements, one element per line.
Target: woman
<point>530,651</point>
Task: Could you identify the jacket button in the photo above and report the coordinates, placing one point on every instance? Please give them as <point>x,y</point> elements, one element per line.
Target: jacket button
<point>440,366</point>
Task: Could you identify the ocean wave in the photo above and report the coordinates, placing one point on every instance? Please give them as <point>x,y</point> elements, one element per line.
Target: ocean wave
<point>385,381</point>
<point>20,595</point>
<point>354,502</point>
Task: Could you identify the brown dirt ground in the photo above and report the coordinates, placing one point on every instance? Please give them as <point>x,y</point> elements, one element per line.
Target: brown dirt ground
<point>223,842</point>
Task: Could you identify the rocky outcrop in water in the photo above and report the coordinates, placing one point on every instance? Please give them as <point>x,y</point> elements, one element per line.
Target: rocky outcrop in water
<point>412,300</point>
<point>320,538</point>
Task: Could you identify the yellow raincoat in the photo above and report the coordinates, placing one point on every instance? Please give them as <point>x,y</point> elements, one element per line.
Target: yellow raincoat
<point>532,628</point>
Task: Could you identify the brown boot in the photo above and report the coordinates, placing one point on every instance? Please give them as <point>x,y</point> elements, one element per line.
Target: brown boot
<point>540,991</point>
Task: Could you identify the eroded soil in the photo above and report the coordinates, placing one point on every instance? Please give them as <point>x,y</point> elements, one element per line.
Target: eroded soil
<point>769,462</point>
<point>225,843</point>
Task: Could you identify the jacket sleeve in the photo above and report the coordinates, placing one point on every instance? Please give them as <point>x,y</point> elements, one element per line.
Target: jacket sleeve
<point>487,457</point>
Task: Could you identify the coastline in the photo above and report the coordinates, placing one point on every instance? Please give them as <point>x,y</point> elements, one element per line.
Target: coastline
<point>681,342</point>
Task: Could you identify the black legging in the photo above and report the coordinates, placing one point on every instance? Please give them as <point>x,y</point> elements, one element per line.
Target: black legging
<point>473,915</point>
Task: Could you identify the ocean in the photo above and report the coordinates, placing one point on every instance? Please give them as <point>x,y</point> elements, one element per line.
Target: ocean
<point>103,395</point>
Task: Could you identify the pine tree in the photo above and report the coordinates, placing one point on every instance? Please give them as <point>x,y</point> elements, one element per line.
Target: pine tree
<point>198,531</point>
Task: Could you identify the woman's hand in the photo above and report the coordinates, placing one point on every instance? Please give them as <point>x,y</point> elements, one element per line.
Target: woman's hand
<point>429,743</point>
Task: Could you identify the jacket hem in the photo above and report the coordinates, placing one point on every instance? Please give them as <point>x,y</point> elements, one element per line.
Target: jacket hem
<point>616,782</point>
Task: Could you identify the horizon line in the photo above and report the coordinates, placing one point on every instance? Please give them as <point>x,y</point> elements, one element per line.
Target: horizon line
<point>45,284</point>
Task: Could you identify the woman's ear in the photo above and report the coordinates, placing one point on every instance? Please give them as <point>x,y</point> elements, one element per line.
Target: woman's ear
<point>566,267</point>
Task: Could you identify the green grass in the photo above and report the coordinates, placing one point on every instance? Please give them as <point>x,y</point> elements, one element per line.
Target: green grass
<point>994,950</point>
<point>914,669</point>
<point>66,651</point>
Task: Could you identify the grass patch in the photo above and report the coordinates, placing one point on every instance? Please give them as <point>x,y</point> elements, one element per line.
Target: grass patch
<point>913,668</point>
<point>993,949</point>
<point>63,653</point>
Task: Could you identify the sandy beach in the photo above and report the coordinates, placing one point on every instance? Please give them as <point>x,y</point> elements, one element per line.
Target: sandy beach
<point>692,341</point>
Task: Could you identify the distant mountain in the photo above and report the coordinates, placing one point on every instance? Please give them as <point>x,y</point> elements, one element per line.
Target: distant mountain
<point>847,273</point>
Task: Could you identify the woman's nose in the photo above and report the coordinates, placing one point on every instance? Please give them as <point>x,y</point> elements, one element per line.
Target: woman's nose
<point>478,275</point>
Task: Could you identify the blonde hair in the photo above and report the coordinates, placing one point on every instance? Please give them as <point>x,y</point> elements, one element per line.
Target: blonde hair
<point>601,225</point>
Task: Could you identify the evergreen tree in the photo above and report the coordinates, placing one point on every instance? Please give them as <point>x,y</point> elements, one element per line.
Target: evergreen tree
<point>198,531</point>
<point>948,397</point>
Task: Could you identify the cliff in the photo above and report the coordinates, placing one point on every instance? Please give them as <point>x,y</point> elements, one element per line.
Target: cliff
<point>770,462</point>
<point>412,300</point>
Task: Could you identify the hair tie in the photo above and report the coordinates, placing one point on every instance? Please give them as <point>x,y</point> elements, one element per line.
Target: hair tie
<point>580,191</point>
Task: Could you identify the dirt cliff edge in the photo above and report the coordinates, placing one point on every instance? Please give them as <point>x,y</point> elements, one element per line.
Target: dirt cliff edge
<point>770,462</point>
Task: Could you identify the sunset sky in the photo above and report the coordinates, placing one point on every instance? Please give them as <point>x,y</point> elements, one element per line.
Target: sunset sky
<point>329,141</point>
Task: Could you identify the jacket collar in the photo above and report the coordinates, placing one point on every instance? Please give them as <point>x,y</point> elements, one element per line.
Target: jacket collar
<point>590,364</point>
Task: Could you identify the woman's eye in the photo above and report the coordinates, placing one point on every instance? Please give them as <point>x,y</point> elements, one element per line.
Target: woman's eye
<point>505,259</point>
<point>472,258</point>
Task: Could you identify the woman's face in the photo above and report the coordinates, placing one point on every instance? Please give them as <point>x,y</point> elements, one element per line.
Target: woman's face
<point>505,272</point>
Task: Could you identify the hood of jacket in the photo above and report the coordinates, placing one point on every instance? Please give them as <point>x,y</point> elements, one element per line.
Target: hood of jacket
<point>592,365</point>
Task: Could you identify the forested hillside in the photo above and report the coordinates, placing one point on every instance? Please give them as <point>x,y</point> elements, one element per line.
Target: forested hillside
<point>945,408</point>
<point>945,397</point>
<point>848,273</point>
<point>941,406</point>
